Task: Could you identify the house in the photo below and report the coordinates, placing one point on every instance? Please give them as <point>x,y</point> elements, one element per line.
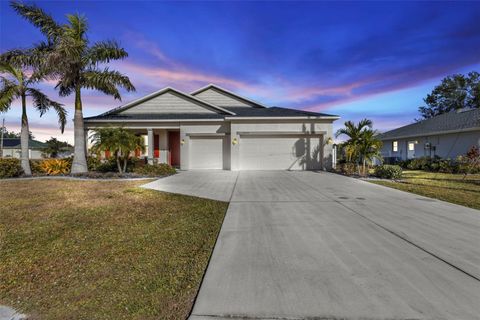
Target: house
<point>213,128</point>
<point>12,148</point>
<point>447,136</point>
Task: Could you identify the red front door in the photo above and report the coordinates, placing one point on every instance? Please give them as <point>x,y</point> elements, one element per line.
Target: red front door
<point>174,146</point>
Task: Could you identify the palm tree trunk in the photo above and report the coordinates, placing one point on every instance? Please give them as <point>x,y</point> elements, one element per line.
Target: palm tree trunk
<point>24,139</point>
<point>364,164</point>
<point>119,165</point>
<point>125,162</point>
<point>79,164</point>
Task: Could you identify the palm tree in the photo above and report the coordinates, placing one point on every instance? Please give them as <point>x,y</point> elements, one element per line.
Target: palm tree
<point>369,147</point>
<point>17,85</point>
<point>120,142</point>
<point>75,64</point>
<point>354,133</point>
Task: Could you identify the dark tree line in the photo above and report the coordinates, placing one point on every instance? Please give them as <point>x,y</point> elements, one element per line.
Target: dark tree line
<point>453,93</point>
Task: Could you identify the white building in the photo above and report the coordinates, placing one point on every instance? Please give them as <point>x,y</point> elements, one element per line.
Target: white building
<point>213,128</point>
<point>447,136</point>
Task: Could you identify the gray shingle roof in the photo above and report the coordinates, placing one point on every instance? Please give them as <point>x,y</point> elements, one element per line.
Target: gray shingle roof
<point>273,112</point>
<point>239,112</point>
<point>14,143</point>
<point>452,121</point>
<point>151,116</point>
<point>222,112</point>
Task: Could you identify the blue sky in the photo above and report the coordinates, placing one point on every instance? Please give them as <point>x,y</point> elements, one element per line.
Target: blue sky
<point>355,59</point>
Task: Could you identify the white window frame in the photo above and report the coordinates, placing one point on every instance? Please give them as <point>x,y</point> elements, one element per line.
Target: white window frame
<point>395,146</point>
<point>412,145</point>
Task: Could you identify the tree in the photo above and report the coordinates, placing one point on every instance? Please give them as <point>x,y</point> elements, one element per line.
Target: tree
<point>362,144</point>
<point>369,148</point>
<point>12,134</point>
<point>75,64</point>
<point>120,142</point>
<point>454,92</point>
<point>17,85</point>
<point>354,134</point>
<point>55,147</point>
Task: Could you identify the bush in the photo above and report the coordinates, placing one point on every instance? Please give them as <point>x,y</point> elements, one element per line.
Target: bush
<point>10,168</point>
<point>348,169</point>
<point>110,165</point>
<point>35,166</point>
<point>422,163</point>
<point>56,166</point>
<point>388,171</point>
<point>161,169</point>
<point>93,163</point>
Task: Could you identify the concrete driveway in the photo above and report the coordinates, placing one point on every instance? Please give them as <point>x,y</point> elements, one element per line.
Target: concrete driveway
<point>306,245</point>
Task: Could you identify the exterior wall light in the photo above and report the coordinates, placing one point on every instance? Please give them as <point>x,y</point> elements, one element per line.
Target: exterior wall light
<point>182,142</point>
<point>329,140</point>
<point>234,141</point>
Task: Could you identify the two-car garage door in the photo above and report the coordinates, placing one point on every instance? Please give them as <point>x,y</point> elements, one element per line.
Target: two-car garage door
<point>258,152</point>
<point>280,152</point>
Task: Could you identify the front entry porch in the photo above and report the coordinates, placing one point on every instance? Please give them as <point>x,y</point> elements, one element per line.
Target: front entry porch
<point>162,146</point>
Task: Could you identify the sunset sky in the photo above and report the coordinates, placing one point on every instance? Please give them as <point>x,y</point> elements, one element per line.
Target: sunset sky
<point>374,59</point>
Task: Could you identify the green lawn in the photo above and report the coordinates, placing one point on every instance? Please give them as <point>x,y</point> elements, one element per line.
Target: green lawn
<point>453,188</point>
<point>102,249</point>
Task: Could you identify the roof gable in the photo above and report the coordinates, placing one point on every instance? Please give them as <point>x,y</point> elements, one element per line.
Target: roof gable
<point>224,98</point>
<point>168,101</point>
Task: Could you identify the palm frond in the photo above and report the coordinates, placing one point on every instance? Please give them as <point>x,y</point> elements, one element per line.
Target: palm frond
<point>8,93</point>
<point>65,87</point>
<point>105,51</point>
<point>10,69</point>
<point>107,81</point>
<point>77,28</point>
<point>40,19</point>
<point>43,104</point>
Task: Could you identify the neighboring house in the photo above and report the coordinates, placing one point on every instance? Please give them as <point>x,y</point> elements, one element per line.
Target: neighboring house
<point>447,136</point>
<point>213,128</point>
<point>12,148</point>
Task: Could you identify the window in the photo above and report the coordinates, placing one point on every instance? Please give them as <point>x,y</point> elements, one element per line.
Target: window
<point>395,146</point>
<point>411,146</point>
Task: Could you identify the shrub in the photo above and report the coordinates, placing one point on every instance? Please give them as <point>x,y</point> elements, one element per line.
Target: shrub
<point>56,166</point>
<point>110,165</point>
<point>35,165</point>
<point>161,169</point>
<point>10,168</point>
<point>388,171</point>
<point>93,163</point>
<point>348,168</point>
<point>422,163</point>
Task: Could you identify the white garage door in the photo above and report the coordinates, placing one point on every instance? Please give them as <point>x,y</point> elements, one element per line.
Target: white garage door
<point>206,152</point>
<point>280,152</point>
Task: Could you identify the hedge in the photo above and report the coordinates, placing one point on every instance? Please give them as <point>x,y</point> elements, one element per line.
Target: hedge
<point>388,171</point>
<point>10,168</point>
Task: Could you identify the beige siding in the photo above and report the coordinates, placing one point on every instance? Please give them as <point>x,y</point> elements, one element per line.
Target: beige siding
<point>221,99</point>
<point>167,103</point>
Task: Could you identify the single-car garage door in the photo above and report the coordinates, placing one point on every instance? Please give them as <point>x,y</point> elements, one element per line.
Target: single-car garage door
<point>280,152</point>
<point>206,152</point>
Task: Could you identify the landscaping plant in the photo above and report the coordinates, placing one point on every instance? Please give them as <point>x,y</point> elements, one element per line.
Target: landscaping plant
<point>121,142</point>
<point>362,146</point>
<point>70,59</point>
<point>16,84</point>
<point>56,166</point>
<point>10,168</point>
<point>388,171</point>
